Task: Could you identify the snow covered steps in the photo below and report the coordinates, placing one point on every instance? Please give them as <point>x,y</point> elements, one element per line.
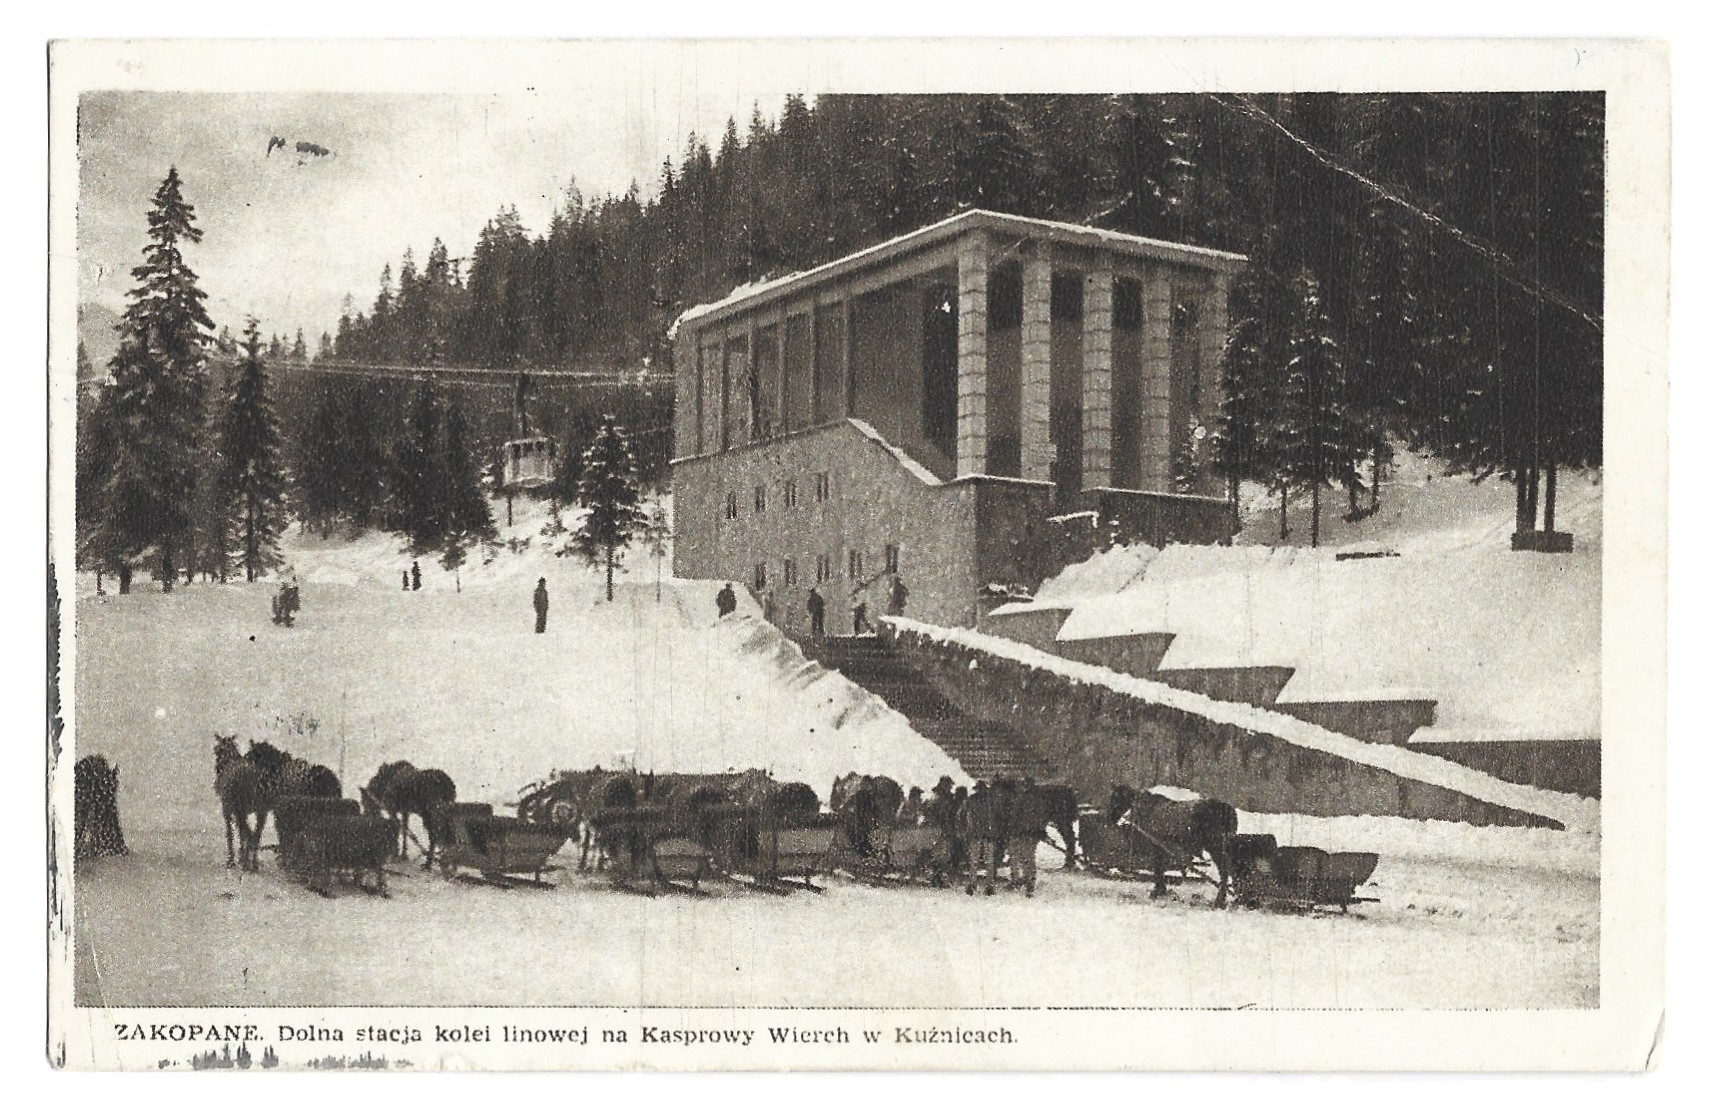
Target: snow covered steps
<point>984,749</point>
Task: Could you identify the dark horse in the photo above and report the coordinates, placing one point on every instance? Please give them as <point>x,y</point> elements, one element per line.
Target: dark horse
<point>1060,805</point>
<point>1177,832</point>
<point>865,803</point>
<point>401,789</point>
<point>239,784</point>
<point>95,797</point>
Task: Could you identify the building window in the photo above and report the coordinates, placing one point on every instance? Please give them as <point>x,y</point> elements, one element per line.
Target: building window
<point>822,487</point>
<point>825,568</point>
<point>760,498</point>
<point>760,576</point>
<point>855,564</point>
<point>790,494</point>
<point>732,506</point>
<point>891,558</point>
<point>787,576</point>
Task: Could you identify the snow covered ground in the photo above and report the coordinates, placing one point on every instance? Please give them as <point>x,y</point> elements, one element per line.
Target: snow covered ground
<point>1466,918</point>
<point>1508,644</point>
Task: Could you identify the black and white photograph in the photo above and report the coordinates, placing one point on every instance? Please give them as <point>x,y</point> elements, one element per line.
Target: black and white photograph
<point>872,554</point>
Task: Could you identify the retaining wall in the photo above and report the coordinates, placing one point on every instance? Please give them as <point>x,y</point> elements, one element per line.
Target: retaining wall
<point>1097,736</point>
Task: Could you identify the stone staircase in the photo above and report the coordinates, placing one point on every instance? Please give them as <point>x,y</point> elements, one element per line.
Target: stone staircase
<point>984,749</point>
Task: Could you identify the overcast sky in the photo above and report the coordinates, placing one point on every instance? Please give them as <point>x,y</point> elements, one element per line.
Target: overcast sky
<point>286,237</point>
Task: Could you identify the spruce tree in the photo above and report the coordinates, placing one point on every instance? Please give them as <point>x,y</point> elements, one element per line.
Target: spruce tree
<point>609,492</point>
<point>251,476</point>
<point>466,516</point>
<point>156,395</point>
<point>318,475</point>
<point>1322,445</point>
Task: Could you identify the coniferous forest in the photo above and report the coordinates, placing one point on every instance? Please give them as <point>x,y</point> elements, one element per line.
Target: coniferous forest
<point>1426,268</point>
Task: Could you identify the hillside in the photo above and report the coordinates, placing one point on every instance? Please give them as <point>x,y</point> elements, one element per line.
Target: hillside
<point>1507,643</point>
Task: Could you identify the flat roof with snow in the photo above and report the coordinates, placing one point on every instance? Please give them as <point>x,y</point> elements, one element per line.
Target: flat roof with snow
<point>1032,228</point>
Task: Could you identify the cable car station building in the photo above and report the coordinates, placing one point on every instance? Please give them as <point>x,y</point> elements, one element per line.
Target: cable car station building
<point>971,404</point>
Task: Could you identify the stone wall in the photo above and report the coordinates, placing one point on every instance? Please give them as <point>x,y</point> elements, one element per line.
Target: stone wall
<point>1567,766</point>
<point>1097,736</point>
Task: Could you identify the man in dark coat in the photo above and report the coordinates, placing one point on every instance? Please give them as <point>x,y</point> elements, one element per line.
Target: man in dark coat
<point>725,602</point>
<point>416,577</point>
<point>540,599</point>
<point>814,606</point>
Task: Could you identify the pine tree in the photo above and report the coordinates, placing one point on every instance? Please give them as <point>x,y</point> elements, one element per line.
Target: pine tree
<point>466,518</point>
<point>299,353</point>
<point>156,395</point>
<point>422,492</point>
<point>252,477</point>
<point>320,465</point>
<point>1322,444</point>
<point>1253,362</point>
<point>609,492</point>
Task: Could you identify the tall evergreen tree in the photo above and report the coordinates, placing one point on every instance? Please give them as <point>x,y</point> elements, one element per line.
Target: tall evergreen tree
<point>466,517</point>
<point>1322,445</point>
<point>252,476</point>
<point>320,464</point>
<point>608,490</point>
<point>155,397</point>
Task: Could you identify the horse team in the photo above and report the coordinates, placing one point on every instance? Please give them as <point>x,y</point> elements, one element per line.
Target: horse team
<point>321,832</point>
<point>873,828</point>
<point>734,822</point>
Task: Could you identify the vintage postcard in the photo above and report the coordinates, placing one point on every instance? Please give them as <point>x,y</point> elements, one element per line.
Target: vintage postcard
<point>894,554</point>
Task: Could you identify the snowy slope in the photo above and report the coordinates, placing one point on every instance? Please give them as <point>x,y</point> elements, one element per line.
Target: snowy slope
<point>1507,643</point>
<point>458,679</point>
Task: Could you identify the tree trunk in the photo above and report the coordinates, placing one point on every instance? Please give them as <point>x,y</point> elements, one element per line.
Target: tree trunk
<point>124,578</point>
<point>1284,529</point>
<point>509,508</point>
<point>1550,497</point>
<point>1522,520</point>
<point>169,572</point>
<point>1376,475</point>
<point>610,574</point>
<point>98,588</point>
<point>1234,501</point>
<point>1317,509</point>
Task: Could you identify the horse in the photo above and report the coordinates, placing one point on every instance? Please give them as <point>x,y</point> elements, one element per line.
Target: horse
<point>865,803</point>
<point>239,784</point>
<point>1060,804</point>
<point>95,797</point>
<point>1183,829</point>
<point>426,793</point>
<point>615,841</point>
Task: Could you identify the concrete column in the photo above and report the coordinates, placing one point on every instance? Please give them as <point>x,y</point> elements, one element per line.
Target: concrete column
<point>1098,335</point>
<point>780,425</point>
<point>752,430</point>
<point>1155,440</point>
<point>972,438</point>
<point>1035,451</point>
<point>686,415</point>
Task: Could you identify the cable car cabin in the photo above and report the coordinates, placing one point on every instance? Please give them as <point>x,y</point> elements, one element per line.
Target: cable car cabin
<point>528,462</point>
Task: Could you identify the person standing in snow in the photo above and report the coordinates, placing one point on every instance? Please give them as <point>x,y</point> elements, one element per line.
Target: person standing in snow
<point>725,602</point>
<point>416,576</point>
<point>540,600</point>
<point>404,581</point>
<point>814,607</point>
<point>897,597</point>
